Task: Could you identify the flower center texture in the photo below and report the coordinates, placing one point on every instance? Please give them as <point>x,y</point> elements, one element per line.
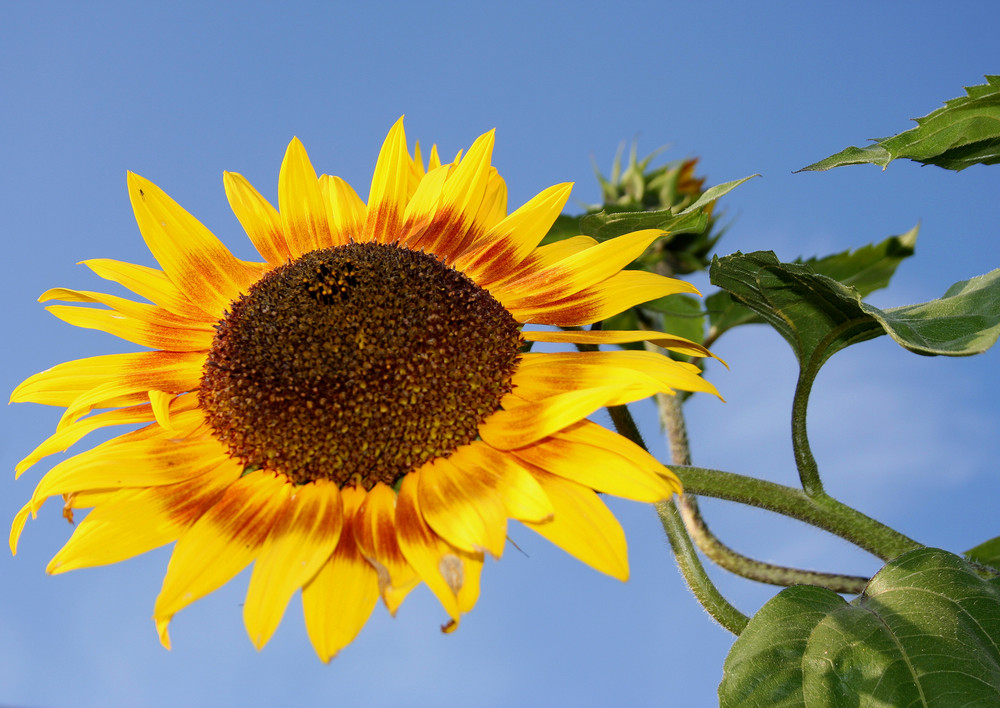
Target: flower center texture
<point>357,364</point>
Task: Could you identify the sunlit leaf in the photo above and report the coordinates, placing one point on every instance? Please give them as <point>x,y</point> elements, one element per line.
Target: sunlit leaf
<point>819,316</point>
<point>987,552</point>
<point>924,633</point>
<point>964,132</point>
<point>867,269</point>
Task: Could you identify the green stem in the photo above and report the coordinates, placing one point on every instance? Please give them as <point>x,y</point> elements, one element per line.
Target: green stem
<point>804,460</point>
<point>721,610</point>
<point>821,511</point>
<point>672,420</point>
<point>753,569</point>
<point>702,587</point>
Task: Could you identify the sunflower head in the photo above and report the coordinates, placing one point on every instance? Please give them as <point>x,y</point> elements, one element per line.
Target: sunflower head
<point>357,412</point>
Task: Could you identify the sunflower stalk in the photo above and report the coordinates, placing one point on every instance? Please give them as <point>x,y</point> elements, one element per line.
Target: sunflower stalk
<point>690,565</point>
<point>672,420</point>
<point>822,512</point>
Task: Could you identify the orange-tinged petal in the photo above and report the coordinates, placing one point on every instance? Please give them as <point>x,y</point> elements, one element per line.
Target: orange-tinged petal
<point>139,459</point>
<point>341,596</point>
<point>224,541</point>
<point>377,541</point>
<point>462,508</point>
<point>591,336</point>
<point>422,207</point>
<point>598,458</point>
<point>151,314</point>
<point>456,223</point>
<point>578,271</point>
<point>259,218</point>
<point>152,284</point>
<point>134,330</point>
<point>607,298</point>
<point>191,256</point>
<point>450,573</point>
<point>508,243</point>
<point>346,210</point>
<point>65,437</point>
<point>543,257</point>
<point>583,526</point>
<point>390,189</point>
<point>544,374</point>
<point>521,424</point>
<point>133,521</point>
<point>306,224</point>
<point>301,542</point>
<point>121,374</point>
<point>521,494</point>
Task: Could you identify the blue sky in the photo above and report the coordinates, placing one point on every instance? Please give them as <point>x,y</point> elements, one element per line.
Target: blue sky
<point>181,94</point>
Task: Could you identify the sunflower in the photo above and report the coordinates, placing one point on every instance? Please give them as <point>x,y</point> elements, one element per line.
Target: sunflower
<point>361,411</point>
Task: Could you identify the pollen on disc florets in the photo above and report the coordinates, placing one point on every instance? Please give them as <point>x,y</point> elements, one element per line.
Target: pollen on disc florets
<point>357,364</point>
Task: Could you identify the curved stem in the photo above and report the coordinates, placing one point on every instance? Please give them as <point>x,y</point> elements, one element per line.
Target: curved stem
<point>704,590</point>
<point>721,610</point>
<point>823,511</point>
<point>753,569</point>
<point>672,419</point>
<point>804,460</point>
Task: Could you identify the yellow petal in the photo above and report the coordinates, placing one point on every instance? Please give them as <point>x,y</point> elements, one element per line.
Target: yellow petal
<point>456,223</point>
<point>583,526</point>
<point>377,541</point>
<point>522,496</point>
<point>259,218</point>
<point>602,460</point>
<point>339,599</point>
<point>224,541</point>
<point>133,521</point>
<point>578,271</point>
<point>72,433</point>
<point>390,189</point>
<point>542,374</point>
<point>301,542</point>
<point>121,375</point>
<point>462,508</point>
<point>152,284</point>
<point>192,257</point>
<point>132,330</point>
<point>543,257</point>
<point>513,239</point>
<point>450,573</point>
<point>346,210</point>
<point>303,209</point>
<point>144,458</point>
<point>591,336</point>
<point>521,424</point>
<point>607,298</point>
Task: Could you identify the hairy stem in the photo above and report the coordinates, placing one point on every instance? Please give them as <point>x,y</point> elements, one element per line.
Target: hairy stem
<point>822,512</point>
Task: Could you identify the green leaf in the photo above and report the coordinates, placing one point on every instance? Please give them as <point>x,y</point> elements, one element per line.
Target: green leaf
<point>764,667</point>
<point>964,132</point>
<point>925,632</point>
<point>819,316</point>
<point>987,552</point>
<point>610,222</point>
<point>870,267</point>
<point>867,269</point>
